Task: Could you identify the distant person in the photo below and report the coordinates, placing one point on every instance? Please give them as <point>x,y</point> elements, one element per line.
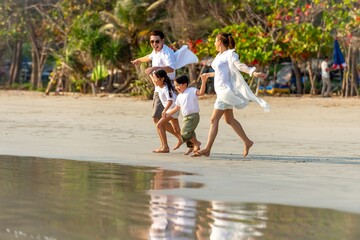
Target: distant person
<point>187,101</point>
<point>167,96</point>
<point>162,57</point>
<point>231,91</point>
<point>325,77</point>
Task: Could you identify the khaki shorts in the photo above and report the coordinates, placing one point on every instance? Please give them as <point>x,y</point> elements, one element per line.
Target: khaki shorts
<point>157,106</point>
<point>190,122</point>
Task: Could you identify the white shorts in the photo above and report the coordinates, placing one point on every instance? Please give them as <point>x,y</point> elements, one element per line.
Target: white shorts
<point>220,105</point>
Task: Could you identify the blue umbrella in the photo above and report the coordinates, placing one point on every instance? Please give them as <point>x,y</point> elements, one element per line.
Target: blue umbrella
<point>339,61</point>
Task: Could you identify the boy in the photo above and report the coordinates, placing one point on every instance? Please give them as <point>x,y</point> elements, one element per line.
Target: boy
<point>187,101</point>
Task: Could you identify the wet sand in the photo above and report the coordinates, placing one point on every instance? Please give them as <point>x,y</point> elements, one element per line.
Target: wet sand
<point>306,150</point>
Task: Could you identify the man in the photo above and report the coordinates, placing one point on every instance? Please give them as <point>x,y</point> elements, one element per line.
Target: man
<point>162,57</point>
<point>325,76</point>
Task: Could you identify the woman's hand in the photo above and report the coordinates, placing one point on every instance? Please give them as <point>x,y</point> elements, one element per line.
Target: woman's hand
<point>259,75</point>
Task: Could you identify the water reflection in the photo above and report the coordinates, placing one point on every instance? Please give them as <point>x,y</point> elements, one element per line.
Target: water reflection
<point>181,218</point>
<point>57,199</point>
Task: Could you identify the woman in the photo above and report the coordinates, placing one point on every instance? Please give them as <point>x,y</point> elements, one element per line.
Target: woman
<point>231,90</point>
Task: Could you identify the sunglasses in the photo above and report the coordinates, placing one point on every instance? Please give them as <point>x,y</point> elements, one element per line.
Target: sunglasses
<point>155,41</point>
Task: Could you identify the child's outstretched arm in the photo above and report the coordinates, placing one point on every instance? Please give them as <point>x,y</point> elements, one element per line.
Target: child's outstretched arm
<point>168,105</point>
<point>172,111</point>
<point>204,78</point>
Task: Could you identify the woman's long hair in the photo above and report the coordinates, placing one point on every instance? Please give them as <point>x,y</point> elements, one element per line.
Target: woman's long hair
<point>162,74</point>
<point>227,40</point>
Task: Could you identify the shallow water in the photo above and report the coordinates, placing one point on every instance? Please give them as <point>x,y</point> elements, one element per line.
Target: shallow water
<point>61,199</point>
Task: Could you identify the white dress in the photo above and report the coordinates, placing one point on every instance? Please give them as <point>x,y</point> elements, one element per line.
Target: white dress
<point>230,86</point>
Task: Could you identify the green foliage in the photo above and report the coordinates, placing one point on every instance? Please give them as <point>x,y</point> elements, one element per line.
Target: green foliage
<point>23,86</point>
<point>114,32</point>
<point>142,88</point>
<point>99,72</point>
<point>115,52</point>
<point>143,50</point>
<point>252,44</point>
<point>303,42</point>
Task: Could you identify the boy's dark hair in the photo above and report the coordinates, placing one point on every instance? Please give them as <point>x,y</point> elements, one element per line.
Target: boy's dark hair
<point>157,33</point>
<point>182,79</point>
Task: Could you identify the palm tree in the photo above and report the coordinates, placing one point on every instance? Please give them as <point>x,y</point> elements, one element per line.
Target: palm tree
<point>126,26</point>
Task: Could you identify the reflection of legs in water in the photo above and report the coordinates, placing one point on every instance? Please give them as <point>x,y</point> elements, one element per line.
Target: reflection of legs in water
<point>158,214</point>
<point>185,214</point>
<point>237,221</point>
<point>172,217</point>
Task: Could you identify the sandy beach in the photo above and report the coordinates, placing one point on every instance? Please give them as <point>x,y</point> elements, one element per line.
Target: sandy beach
<point>306,150</point>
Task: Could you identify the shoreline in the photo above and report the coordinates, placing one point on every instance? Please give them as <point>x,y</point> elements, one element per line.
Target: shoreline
<point>305,153</point>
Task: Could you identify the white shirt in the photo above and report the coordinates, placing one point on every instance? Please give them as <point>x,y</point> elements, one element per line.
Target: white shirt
<point>222,70</point>
<point>324,66</point>
<point>188,101</point>
<point>164,96</point>
<point>164,58</point>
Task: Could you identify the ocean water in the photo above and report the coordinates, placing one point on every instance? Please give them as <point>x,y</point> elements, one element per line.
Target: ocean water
<point>63,199</point>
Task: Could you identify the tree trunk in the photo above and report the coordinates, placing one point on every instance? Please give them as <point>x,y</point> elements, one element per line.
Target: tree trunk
<point>38,54</point>
<point>354,84</point>
<point>298,76</point>
<point>311,78</point>
<point>33,78</point>
<point>192,72</point>
<point>15,67</point>
<point>93,87</point>
<point>109,87</point>
<point>347,74</point>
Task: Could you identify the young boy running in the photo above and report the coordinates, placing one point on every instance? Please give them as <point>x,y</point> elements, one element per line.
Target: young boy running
<point>187,101</point>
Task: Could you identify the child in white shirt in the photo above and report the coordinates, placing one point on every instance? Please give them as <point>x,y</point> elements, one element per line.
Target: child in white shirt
<point>187,101</point>
<point>170,122</point>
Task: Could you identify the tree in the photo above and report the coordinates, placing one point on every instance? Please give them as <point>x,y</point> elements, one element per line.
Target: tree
<point>12,31</point>
<point>347,30</point>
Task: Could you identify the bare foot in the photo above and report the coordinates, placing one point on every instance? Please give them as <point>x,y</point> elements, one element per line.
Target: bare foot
<point>199,153</point>
<point>188,151</point>
<point>197,147</point>
<point>178,144</point>
<point>161,150</point>
<point>247,146</point>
